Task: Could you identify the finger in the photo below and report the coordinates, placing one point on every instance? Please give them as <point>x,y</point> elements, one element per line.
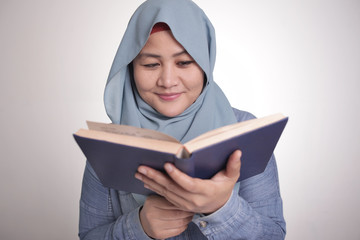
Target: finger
<point>233,165</point>
<point>175,215</point>
<point>161,203</point>
<point>151,184</point>
<point>157,181</point>
<point>178,198</point>
<point>152,174</point>
<point>165,230</point>
<point>166,206</point>
<point>176,223</point>
<point>183,180</point>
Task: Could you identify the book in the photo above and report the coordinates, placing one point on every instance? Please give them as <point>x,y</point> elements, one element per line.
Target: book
<point>116,151</point>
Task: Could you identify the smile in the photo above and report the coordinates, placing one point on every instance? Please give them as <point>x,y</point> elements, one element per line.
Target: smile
<point>169,96</point>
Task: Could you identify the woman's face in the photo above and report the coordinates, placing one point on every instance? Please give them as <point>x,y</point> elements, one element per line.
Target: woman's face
<point>166,76</point>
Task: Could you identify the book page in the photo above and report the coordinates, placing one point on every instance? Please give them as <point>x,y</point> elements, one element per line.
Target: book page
<point>218,131</point>
<point>133,141</point>
<point>130,131</point>
<point>229,131</point>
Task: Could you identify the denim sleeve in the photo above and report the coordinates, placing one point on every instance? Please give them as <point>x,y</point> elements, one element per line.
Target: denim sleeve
<point>97,218</point>
<point>255,212</point>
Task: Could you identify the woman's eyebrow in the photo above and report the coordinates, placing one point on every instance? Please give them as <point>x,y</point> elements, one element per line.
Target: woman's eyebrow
<point>149,55</point>
<point>180,53</point>
<point>145,54</point>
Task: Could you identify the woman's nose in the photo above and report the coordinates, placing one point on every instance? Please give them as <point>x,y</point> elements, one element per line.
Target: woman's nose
<point>168,77</point>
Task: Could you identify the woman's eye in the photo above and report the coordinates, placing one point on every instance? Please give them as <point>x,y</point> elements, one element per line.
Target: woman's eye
<point>151,65</point>
<point>184,63</point>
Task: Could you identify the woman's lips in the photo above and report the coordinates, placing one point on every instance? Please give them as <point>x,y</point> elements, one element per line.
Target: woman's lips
<point>169,96</point>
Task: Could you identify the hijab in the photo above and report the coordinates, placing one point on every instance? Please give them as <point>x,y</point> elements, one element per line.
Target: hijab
<point>193,30</point>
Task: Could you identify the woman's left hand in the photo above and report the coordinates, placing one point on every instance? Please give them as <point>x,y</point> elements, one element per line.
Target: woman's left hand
<point>193,194</point>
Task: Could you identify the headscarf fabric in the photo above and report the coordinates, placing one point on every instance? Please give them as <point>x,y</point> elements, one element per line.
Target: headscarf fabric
<point>193,30</point>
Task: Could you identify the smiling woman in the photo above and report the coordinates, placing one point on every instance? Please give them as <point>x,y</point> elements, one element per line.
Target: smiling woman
<point>162,79</point>
<point>166,76</point>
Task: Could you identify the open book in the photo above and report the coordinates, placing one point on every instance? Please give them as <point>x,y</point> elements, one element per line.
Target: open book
<point>115,151</point>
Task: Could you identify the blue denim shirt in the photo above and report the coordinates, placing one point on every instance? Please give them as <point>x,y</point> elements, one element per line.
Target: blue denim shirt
<point>254,210</point>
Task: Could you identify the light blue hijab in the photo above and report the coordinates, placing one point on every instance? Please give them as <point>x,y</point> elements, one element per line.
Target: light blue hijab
<point>193,30</point>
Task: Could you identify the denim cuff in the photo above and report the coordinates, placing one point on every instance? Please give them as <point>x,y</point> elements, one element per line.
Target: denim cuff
<point>134,225</point>
<point>217,221</point>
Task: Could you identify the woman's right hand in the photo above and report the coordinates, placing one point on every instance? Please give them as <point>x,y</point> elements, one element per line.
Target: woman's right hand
<point>160,219</point>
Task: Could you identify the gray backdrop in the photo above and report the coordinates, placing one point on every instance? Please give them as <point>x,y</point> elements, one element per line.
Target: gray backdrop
<point>301,58</point>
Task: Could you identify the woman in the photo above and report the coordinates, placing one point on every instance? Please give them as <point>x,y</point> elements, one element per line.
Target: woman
<point>161,79</point>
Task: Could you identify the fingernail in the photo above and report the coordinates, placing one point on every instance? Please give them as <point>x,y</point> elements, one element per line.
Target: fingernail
<point>239,154</point>
<point>142,170</point>
<point>168,167</point>
<point>138,176</point>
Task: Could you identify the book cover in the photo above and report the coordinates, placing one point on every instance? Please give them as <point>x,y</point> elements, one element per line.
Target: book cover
<point>116,164</point>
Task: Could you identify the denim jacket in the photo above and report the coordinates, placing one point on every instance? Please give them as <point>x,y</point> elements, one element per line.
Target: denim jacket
<point>254,210</point>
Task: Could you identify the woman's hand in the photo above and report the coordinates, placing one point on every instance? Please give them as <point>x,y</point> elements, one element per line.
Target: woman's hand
<point>160,219</point>
<point>193,194</point>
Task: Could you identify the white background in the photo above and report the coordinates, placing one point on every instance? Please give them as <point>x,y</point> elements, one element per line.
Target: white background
<point>301,58</point>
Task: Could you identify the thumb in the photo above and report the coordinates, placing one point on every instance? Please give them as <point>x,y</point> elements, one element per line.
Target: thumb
<point>233,165</point>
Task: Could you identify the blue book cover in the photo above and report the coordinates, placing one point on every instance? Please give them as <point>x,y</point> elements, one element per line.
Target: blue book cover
<point>116,154</point>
